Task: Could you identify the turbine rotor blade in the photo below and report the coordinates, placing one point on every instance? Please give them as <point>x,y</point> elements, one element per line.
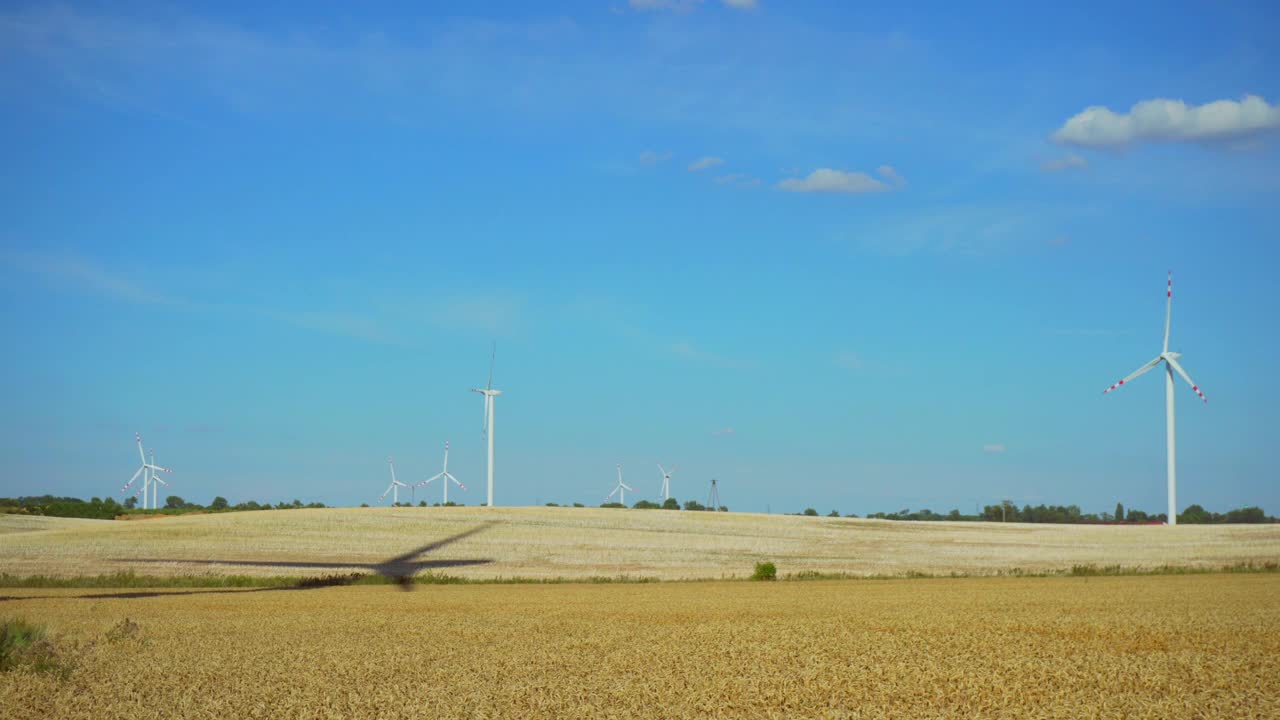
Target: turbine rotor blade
<point>455,481</point>
<point>1134,374</point>
<point>135,477</point>
<point>1174,364</point>
<point>628,487</point>
<point>430,480</point>
<point>492,357</point>
<point>1168,310</point>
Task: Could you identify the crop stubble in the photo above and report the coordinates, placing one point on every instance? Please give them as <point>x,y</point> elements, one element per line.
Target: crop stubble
<point>1158,647</point>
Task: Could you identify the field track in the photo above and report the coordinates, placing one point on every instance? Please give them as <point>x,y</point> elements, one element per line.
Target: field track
<point>1168,647</point>
<point>591,542</point>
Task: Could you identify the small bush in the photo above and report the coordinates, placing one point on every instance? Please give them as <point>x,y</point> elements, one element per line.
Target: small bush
<point>24,646</point>
<point>765,571</point>
<point>126,629</point>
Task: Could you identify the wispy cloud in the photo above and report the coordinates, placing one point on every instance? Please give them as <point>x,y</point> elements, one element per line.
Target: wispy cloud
<point>1164,120</point>
<point>650,158</point>
<point>738,180</point>
<point>993,448</point>
<point>688,350</point>
<point>741,4</point>
<point>1066,162</point>
<point>79,273</point>
<point>723,431</point>
<point>664,5</point>
<point>703,163</point>
<point>827,180</point>
<point>391,320</point>
<point>849,360</point>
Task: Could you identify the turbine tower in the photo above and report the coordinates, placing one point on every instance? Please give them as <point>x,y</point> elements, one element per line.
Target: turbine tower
<point>147,471</point>
<point>445,476</point>
<point>394,487</point>
<point>1170,360</point>
<point>713,497</point>
<point>156,481</point>
<point>666,481</point>
<point>621,488</point>
<point>489,394</point>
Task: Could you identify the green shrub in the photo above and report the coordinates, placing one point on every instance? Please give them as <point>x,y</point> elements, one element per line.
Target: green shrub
<point>765,571</point>
<point>24,646</point>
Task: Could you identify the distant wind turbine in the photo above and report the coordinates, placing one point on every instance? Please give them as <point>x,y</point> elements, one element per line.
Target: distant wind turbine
<point>147,470</point>
<point>489,394</point>
<point>621,488</point>
<point>1170,360</point>
<point>666,481</point>
<point>394,487</point>
<point>444,477</point>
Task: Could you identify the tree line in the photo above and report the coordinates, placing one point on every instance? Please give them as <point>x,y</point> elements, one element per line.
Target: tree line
<point>1007,511</point>
<point>109,509</point>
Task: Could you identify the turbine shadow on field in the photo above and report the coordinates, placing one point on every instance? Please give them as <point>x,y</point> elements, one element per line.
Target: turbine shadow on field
<point>400,568</point>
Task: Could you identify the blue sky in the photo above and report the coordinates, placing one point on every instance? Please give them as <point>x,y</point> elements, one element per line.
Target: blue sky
<point>854,259</point>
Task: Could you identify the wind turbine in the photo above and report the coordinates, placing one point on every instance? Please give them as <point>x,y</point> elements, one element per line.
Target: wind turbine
<point>621,488</point>
<point>1170,360</point>
<point>444,475</point>
<point>156,481</point>
<point>394,487</point>
<point>146,471</point>
<point>666,481</point>
<point>489,394</point>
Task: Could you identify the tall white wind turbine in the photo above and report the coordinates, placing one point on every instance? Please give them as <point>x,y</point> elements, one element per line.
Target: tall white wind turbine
<point>394,487</point>
<point>1170,360</point>
<point>445,476</point>
<point>621,488</point>
<point>666,481</point>
<point>147,470</point>
<point>489,394</point>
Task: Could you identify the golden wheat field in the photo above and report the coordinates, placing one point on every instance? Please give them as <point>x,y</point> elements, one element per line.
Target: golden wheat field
<point>1197,646</point>
<point>586,542</point>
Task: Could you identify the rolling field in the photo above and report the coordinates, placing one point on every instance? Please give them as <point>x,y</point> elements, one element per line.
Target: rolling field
<point>592,542</point>
<point>1194,646</point>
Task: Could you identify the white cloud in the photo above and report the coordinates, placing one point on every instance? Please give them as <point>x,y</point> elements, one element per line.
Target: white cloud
<point>723,431</point>
<point>649,157</point>
<point>703,163</point>
<point>828,180</point>
<point>740,4</point>
<point>993,448</point>
<point>83,274</point>
<point>1169,121</point>
<point>888,173</point>
<point>1068,162</point>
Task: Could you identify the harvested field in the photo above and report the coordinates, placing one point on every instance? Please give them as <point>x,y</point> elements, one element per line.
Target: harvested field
<point>592,542</point>
<point>1196,646</point>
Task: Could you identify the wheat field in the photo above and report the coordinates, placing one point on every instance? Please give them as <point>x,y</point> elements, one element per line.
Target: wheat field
<point>1194,646</point>
<point>593,542</point>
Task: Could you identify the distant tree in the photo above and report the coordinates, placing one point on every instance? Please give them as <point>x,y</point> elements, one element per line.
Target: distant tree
<point>810,512</point>
<point>954,515</point>
<point>1194,515</point>
<point>551,504</point>
<point>1246,515</point>
<point>297,503</point>
<point>1119,514</point>
<point>173,502</point>
<point>219,503</point>
<point>694,505</point>
<point>646,505</point>
<point>834,513</point>
<point>131,503</point>
<point>422,503</point>
<point>613,505</point>
<point>671,504</point>
<point>723,508</point>
<point>364,504</point>
<point>579,505</point>
<point>852,515</point>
